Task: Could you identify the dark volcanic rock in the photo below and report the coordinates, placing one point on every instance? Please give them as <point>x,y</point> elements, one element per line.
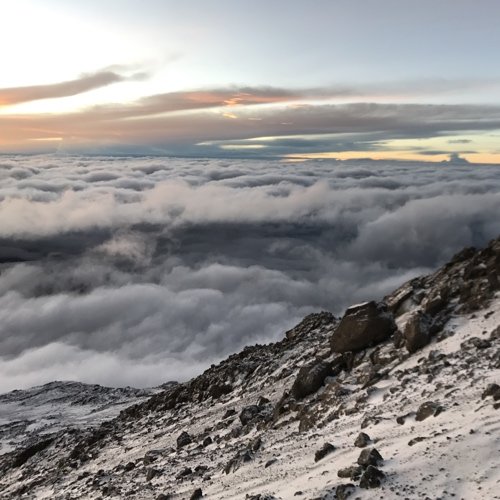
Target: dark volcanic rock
<point>248,414</point>
<point>352,472</point>
<point>344,491</point>
<point>183,440</point>
<point>197,494</point>
<point>309,323</point>
<point>371,478</point>
<point>369,456</point>
<point>24,455</point>
<point>151,473</point>
<point>428,409</point>
<point>362,440</point>
<point>324,451</point>
<point>362,326</point>
<point>417,332</point>
<point>492,390</point>
<point>310,378</point>
<point>187,471</point>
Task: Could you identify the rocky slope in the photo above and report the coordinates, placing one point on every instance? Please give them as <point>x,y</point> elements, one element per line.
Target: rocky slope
<point>397,399</point>
<point>28,415</point>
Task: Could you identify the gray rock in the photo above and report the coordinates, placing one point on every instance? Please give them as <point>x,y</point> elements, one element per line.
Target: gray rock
<point>248,414</point>
<point>492,390</point>
<point>326,449</point>
<point>369,456</point>
<point>352,472</point>
<point>371,478</point>
<point>184,439</point>
<point>198,493</point>
<point>310,378</point>
<point>362,440</point>
<point>344,491</point>
<point>428,409</point>
<point>362,326</point>
<point>417,332</point>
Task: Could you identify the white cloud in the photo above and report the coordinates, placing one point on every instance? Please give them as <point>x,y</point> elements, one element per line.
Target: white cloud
<point>163,266</point>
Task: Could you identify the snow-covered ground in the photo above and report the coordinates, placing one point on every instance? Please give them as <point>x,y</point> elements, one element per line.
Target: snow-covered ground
<point>56,406</point>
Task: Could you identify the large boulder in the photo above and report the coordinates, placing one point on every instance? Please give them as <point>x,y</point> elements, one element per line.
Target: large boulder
<point>310,378</point>
<point>362,326</point>
<point>417,332</point>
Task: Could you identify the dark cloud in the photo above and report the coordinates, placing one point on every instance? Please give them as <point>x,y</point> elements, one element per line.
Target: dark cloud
<point>140,270</point>
<point>16,95</point>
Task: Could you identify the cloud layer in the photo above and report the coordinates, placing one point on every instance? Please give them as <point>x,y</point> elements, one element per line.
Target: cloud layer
<point>163,266</point>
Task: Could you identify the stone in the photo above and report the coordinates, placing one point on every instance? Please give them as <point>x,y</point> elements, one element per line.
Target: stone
<point>492,390</point>
<point>352,472</point>
<point>248,414</point>
<point>326,449</point>
<point>187,471</point>
<point>183,440</point>
<point>362,326</point>
<point>428,409</point>
<point>371,478</point>
<point>229,413</point>
<point>344,491</point>
<point>310,378</point>
<point>151,473</point>
<point>369,456</point>
<point>416,333</point>
<point>362,440</point>
<point>198,493</point>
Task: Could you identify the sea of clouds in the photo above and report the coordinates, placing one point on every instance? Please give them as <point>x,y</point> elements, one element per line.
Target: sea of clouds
<point>136,271</point>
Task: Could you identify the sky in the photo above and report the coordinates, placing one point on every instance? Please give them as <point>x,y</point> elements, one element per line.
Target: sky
<point>296,80</point>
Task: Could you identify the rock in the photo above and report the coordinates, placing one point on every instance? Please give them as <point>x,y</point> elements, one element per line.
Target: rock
<point>362,440</point>
<point>310,378</point>
<point>479,343</point>
<point>187,471</point>
<point>151,473</point>
<point>270,462</point>
<point>219,390</point>
<point>416,440</point>
<point>183,440</point>
<point>352,472</point>
<point>129,466</point>
<point>151,456</point>
<point>371,478</point>
<point>207,442</point>
<point>492,390</point>
<point>416,333</point>
<point>263,401</point>
<point>164,496</point>
<point>344,491</point>
<point>369,456</point>
<point>229,413</point>
<point>362,326</point>
<point>24,455</point>
<point>323,451</point>
<point>198,493</point>
<point>310,323</point>
<point>495,333</point>
<point>428,409</point>
<point>248,414</point>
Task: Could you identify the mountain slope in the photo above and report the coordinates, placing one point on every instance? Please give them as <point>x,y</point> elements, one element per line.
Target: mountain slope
<point>399,398</point>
